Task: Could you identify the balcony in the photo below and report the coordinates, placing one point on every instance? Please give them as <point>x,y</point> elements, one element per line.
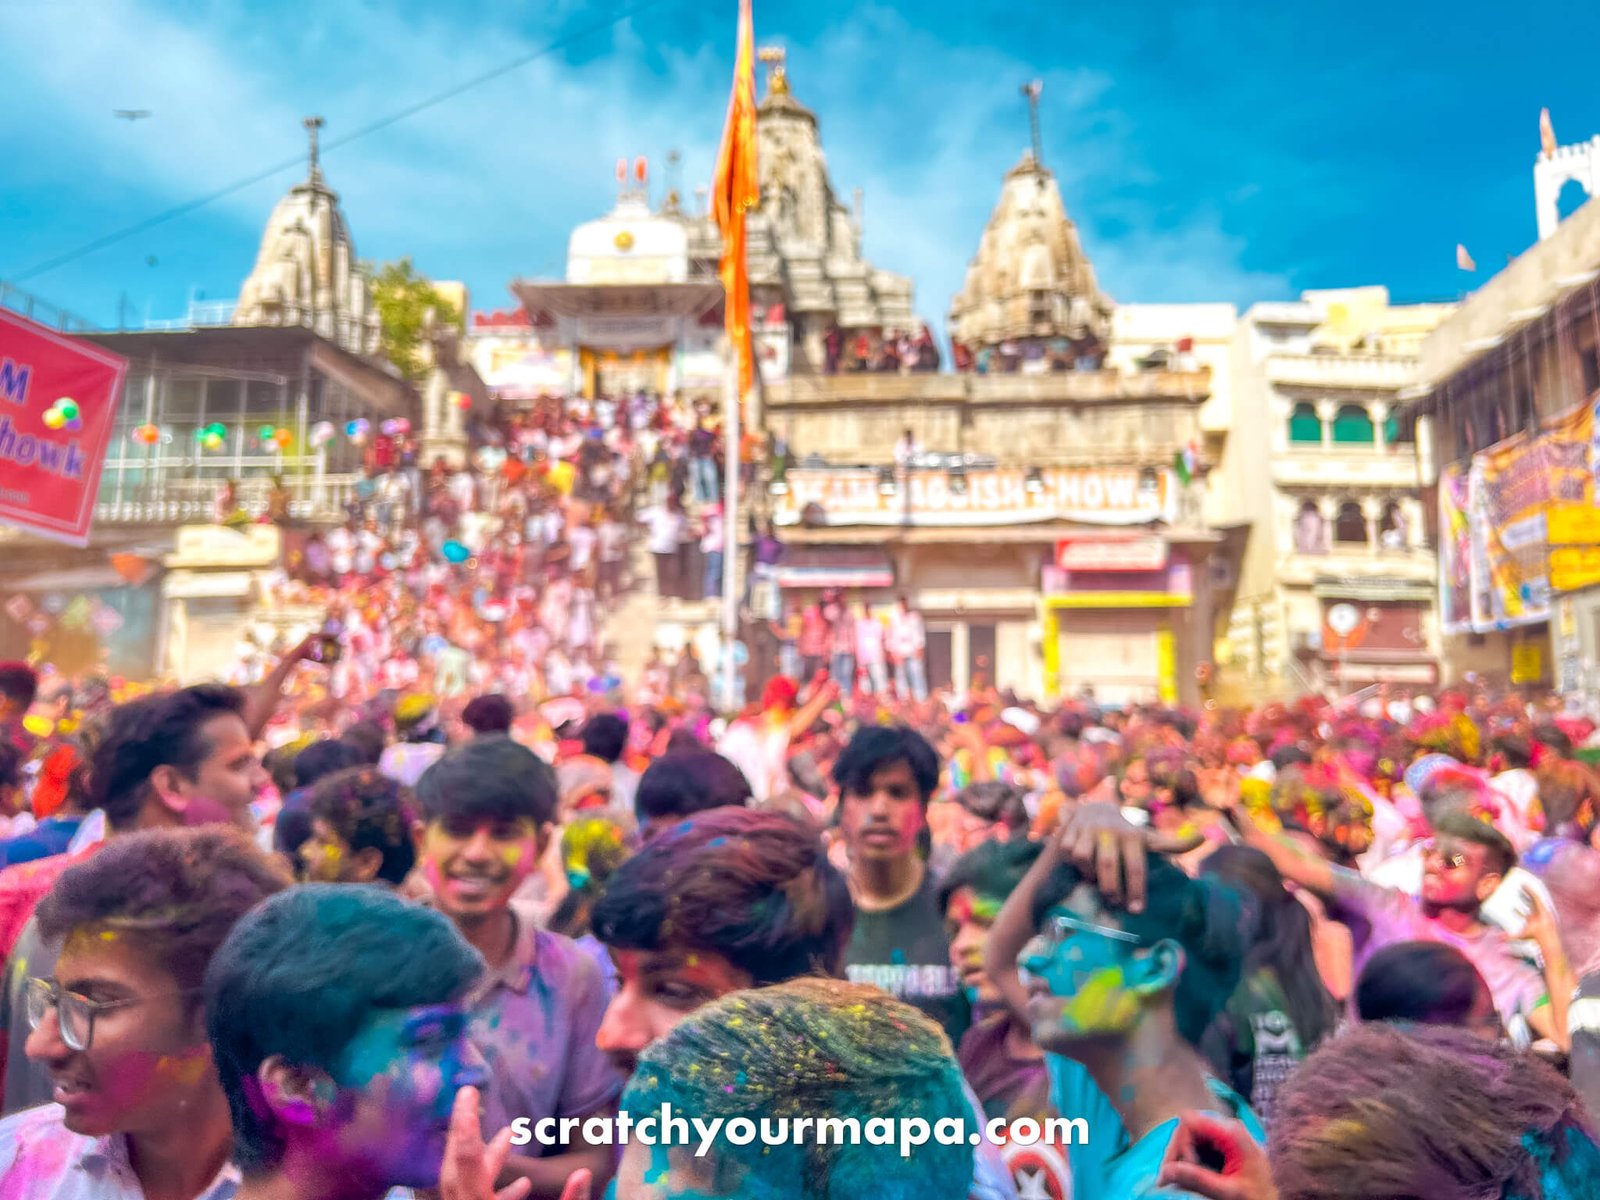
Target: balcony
<point>1366,467</point>
<point>1341,372</point>
<point>1346,567</point>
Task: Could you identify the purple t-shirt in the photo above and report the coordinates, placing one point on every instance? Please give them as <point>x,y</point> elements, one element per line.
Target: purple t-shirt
<point>534,1020</point>
<point>1391,916</point>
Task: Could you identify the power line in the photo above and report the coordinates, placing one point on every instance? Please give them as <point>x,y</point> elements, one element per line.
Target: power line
<point>410,110</point>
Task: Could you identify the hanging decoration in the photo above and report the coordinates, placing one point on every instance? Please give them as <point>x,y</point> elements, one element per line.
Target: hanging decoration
<point>321,434</point>
<point>146,435</point>
<point>64,414</point>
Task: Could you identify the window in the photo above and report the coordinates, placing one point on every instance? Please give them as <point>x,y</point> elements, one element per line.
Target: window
<point>1310,531</point>
<point>1350,528</point>
<point>1305,427</point>
<point>1352,425</point>
<point>1398,432</point>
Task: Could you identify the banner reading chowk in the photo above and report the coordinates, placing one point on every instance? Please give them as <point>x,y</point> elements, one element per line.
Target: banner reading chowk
<point>1093,496</point>
<point>58,402</point>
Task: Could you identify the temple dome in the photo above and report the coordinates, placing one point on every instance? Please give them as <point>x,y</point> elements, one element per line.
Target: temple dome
<point>630,244</point>
<point>306,273</point>
<point>1030,278</point>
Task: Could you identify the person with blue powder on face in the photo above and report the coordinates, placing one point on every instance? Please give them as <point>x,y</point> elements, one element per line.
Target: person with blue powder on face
<point>338,1023</point>
<point>1118,973</point>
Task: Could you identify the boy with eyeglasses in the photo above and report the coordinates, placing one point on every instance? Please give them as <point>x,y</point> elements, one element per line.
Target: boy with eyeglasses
<point>1116,985</point>
<point>120,1024</point>
<point>1462,867</point>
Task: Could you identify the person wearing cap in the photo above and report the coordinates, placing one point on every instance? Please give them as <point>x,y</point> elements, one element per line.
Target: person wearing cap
<point>421,741</point>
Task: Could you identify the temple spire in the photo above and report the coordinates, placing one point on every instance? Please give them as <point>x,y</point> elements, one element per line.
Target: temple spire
<point>1032,91</point>
<point>775,57</point>
<point>313,124</point>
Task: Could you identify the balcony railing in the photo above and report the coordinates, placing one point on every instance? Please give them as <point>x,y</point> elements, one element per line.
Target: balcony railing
<point>993,389</point>
<point>1363,372</point>
<point>1310,465</point>
<point>45,313</point>
<point>202,315</point>
<point>184,501</point>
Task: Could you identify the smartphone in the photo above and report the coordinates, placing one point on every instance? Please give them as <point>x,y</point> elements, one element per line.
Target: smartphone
<point>328,649</point>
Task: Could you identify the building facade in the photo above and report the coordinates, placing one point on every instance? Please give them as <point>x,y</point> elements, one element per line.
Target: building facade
<point>1336,577</point>
<point>250,391</point>
<point>1506,400</point>
<point>640,307</point>
<point>1046,513</point>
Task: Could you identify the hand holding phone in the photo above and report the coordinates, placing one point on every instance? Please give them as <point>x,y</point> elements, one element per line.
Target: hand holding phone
<point>327,648</point>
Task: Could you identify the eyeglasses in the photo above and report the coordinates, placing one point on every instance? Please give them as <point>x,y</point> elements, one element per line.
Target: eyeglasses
<point>76,1014</point>
<point>1060,926</point>
<point>1455,860</point>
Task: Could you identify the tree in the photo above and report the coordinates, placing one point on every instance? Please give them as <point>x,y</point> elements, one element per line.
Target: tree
<point>403,299</point>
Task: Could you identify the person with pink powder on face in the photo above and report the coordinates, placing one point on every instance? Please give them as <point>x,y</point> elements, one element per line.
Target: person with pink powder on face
<point>487,809</point>
<point>119,1022</point>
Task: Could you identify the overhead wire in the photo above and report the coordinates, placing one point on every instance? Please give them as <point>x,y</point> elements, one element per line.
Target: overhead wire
<point>394,118</point>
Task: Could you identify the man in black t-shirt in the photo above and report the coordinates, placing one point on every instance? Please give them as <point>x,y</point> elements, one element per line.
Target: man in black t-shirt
<point>885,777</point>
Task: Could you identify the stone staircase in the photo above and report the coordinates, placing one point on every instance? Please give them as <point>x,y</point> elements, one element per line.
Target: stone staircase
<point>644,620</point>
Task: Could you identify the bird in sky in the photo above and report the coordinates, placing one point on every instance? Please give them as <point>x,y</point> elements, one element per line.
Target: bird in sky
<point>131,114</point>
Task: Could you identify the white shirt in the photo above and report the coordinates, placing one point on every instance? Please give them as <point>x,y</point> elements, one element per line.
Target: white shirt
<point>41,1159</point>
<point>582,541</point>
<point>341,549</point>
<point>711,540</point>
<point>613,541</point>
<point>404,762</point>
<point>869,639</point>
<point>666,529</point>
<point>906,634</point>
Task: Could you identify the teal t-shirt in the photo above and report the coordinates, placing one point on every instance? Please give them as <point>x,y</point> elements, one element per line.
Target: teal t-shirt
<point>1108,1166</point>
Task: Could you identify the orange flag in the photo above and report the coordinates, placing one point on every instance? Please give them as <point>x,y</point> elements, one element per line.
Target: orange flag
<point>734,191</point>
<point>1463,259</point>
<point>1547,134</point>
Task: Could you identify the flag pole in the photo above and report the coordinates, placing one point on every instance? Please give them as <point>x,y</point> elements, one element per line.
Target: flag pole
<point>730,529</point>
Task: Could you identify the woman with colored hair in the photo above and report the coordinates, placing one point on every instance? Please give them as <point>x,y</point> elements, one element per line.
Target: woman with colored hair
<point>1280,1011</point>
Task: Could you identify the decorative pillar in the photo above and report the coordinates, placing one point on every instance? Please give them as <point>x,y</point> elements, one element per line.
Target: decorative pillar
<point>1326,411</point>
<point>1378,412</point>
<point>1372,510</point>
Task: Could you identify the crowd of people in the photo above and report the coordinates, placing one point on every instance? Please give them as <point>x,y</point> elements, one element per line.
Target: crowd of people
<point>256,948</point>
<point>893,351</point>
<point>498,573</point>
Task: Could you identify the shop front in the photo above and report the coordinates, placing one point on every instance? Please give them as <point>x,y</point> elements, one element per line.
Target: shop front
<point>1119,621</point>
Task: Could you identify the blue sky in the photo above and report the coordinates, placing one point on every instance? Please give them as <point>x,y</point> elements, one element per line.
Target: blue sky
<point>1208,151</point>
